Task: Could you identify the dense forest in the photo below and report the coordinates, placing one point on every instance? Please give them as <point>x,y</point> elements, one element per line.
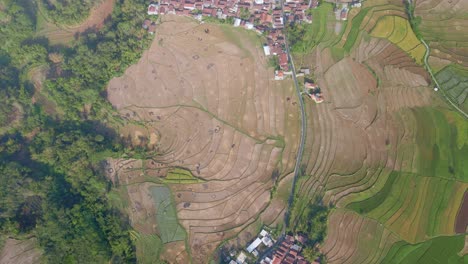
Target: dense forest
<point>52,184</point>
<point>67,12</point>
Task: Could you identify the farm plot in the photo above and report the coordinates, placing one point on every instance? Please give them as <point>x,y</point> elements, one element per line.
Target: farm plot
<point>354,239</point>
<point>398,31</point>
<point>178,175</point>
<point>20,251</point>
<point>448,40</point>
<point>454,81</point>
<point>436,250</point>
<point>166,215</point>
<point>392,154</point>
<point>207,94</point>
<point>61,34</point>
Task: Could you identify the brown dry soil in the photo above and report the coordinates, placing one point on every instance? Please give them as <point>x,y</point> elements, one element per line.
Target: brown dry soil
<point>462,216</point>
<point>206,102</point>
<point>20,252</point>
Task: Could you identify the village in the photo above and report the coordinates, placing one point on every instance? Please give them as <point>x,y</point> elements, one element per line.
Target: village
<point>265,249</point>
<point>266,17</point>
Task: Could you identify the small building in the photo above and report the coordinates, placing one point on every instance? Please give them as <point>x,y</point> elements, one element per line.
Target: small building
<point>267,241</point>
<point>266,50</point>
<point>241,258</point>
<point>263,232</point>
<point>255,253</point>
<point>283,61</point>
<point>249,25</point>
<point>306,71</point>
<point>279,75</point>
<point>254,245</point>
<point>146,24</point>
<point>153,9</point>
<point>237,22</point>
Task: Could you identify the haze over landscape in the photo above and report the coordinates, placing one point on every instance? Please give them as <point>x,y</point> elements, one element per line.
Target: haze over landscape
<point>234,131</point>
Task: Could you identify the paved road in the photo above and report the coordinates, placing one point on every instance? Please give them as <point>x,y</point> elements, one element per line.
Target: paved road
<point>300,151</point>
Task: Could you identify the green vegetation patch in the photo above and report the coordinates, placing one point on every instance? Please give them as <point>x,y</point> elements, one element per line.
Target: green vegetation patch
<point>148,248</point>
<point>355,29</point>
<point>304,37</point>
<point>179,175</point>
<point>454,81</point>
<point>437,250</point>
<point>367,205</point>
<point>166,215</point>
<point>442,144</point>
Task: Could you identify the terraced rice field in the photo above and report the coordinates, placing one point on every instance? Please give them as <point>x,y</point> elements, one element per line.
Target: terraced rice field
<point>436,250</point>
<point>399,32</point>
<point>448,40</point>
<point>454,80</point>
<point>60,34</point>
<point>214,111</point>
<point>384,148</point>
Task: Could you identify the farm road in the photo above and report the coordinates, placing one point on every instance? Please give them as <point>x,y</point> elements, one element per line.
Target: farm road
<point>426,56</point>
<point>300,150</point>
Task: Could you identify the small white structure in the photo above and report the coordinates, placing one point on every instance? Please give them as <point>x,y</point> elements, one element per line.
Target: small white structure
<point>255,253</point>
<point>254,245</point>
<point>241,258</point>
<point>267,241</point>
<point>263,232</point>
<point>266,50</point>
<point>249,25</point>
<point>153,9</point>
<point>259,2</point>
<point>237,22</point>
<point>436,89</point>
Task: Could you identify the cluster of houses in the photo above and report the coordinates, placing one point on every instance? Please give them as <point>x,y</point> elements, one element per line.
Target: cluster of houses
<point>313,91</point>
<point>288,251</point>
<point>264,249</point>
<point>264,16</point>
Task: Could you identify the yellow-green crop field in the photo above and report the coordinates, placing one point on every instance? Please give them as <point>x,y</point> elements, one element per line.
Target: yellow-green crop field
<point>398,30</point>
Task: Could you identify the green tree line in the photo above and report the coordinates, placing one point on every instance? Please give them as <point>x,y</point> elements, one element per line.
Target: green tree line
<point>53,186</point>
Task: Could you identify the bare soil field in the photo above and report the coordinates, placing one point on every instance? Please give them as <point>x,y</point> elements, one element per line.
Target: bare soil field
<point>207,95</point>
<point>20,252</point>
<point>356,239</point>
<point>448,40</point>
<point>462,216</point>
<point>64,34</point>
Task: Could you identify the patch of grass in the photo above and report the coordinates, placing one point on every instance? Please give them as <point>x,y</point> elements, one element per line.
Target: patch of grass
<point>304,37</point>
<point>179,175</point>
<point>355,29</point>
<point>148,248</point>
<point>166,215</point>
<point>437,250</point>
<point>454,80</point>
<point>367,205</point>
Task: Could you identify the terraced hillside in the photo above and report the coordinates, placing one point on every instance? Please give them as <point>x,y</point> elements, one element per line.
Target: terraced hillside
<point>224,132</point>
<point>384,149</point>
<point>443,26</point>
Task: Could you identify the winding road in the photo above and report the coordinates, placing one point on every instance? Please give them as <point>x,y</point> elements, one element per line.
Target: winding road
<point>300,150</point>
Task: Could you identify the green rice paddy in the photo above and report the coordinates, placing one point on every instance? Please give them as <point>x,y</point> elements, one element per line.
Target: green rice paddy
<point>166,215</point>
